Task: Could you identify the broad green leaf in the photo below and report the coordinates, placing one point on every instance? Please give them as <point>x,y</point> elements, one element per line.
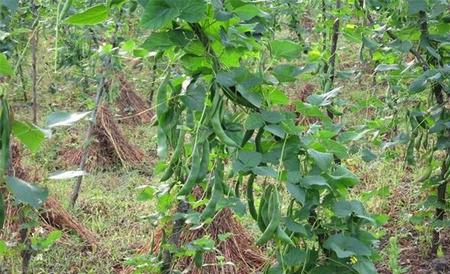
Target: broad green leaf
<point>265,171</point>
<point>276,96</point>
<point>146,194</point>
<point>29,134</point>
<point>46,242</point>
<point>295,257</point>
<point>418,85</point>
<point>91,16</point>
<point>286,72</point>
<point>3,248</point>
<point>276,130</point>
<point>64,175</point>
<point>272,117</point>
<point>313,180</point>
<point>12,5</point>
<point>27,193</point>
<point>414,6</point>
<point>297,192</point>
<point>247,160</point>
<point>5,67</point>
<point>365,266</point>
<point>57,119</point>
<point>159,13</point>
<point>346,246</point>
<point>343,176</point>
<point>194,97</point>
<point>254,121</point>
<point>247,12</point>
<point>385,67</point>
<point>285,49</point>
<point>167,39</point>
<point>367,155</point>
<point>323,99</point>
<point>343,209</point>
<point>322,159</point>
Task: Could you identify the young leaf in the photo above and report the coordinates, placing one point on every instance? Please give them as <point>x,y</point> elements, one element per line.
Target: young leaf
<point>5,67</point>
<point>57,119</point>
<point>63,175</point>
<point>27,193</point>
<point>29,134</point>
<point>91,16</point>
<point>285,49</point>
<point>322,159</point>
<point>346,246</point>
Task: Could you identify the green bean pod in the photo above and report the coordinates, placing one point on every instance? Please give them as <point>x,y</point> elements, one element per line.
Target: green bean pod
<point>218,130</point>
<point>250,197</point>
<point>274,206</point>
<point>205,161</point>
<point>217,192</point>
<point>175,157</point>
<point>263,210</point>
<point>194,172</point>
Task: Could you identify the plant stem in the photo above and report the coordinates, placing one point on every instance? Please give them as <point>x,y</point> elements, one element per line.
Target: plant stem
<point>34,46</point>
<point>102,88</point>
<point>334,42</point>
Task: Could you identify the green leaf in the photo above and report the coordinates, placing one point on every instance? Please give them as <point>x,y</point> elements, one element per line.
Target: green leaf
<point>29,134</point>
<point>194,97</point>
<point>322,159</point>
<point>254,121</point>
<point>343,176</point>
<point>146,194</point>
<point>367,155</point>
<point>91,16</point>
<point>45,243</point>
<point>3,248</point>
<point>167,39</point>
<point>286,72</point>
<point>418,85</point>
<point>323,99</point>
<point>27,193</point>
<point>276,130</point>
<point>297,192</point>
<point>57,119</point>
<point>285,49</point>
<point>247,160</point>
<point>5,67</point>
<point>159,13</point>
<point>313,180</point>
<point>343,209</point>
<point>272,117</point>
<point>365,266</point>
<point>346,246</point>
<point>384,67</point>
<point>265,171</point>
<point>247,12</point>
<point>64,175</point>
<point>414,6</point>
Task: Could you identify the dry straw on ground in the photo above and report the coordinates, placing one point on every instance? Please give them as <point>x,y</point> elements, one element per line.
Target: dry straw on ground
<point>108,147</point>
<point>53,214</point>
<point>133,108</point>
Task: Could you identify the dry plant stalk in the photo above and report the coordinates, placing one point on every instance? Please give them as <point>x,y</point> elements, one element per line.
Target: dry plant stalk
<point>133,108</point>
